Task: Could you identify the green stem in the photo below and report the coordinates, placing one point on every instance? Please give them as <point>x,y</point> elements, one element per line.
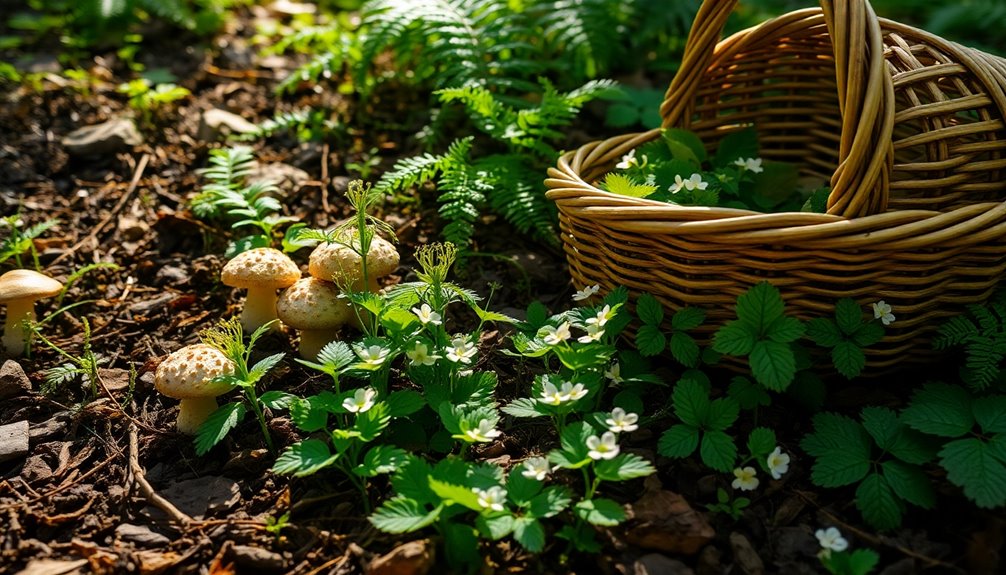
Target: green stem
<point>253,399</point>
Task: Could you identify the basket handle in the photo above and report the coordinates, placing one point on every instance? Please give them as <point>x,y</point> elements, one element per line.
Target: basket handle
<point>860,184</point>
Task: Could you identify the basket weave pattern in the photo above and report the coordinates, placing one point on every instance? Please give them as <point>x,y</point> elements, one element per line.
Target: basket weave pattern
<point>906,127</point>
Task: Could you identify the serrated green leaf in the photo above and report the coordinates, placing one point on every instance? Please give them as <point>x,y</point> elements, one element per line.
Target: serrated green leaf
<point>600,511</point>
<point>848,359</point>
<point>823,332</point>
<point>868,334</point>
<point>773,364</point>
<point>842,448</point>
<point>520,490</point>
<point>304,458</point>
<point>679,441</point>
<point>529,533</point>
<point>747,394</point>
<point>722,414</point>
<point>970,465</point>
<point>458,494</point>
<point>263,367</point>
<point>785,329</point>
<point>684,349</point>
<point>410,480</point>
<point>882,424</point>
<point>688,318</point>
<point>848,316</point>
<point>760,305</point>
<point>218,425</point>
<point>990,413</point>
<point>402,515</point>
<point>624,185</point>
<point>308,416</point>
<point>496,527</point>
<point>877,502</point>
<point>550,502</point>
<point>691,402</point>
<point>381,459</point>
<point>761,442</point>
<point>718,451</point>
<point>525,407</point>
<point>276,399</point>
<point>909,483</point>
<point>623,467</point>
<point>650,341</point>
<point>649,310</point>
<point>735,338</point>
<point>940,409</point>
<point>372,422</point>
<point>406,402</point>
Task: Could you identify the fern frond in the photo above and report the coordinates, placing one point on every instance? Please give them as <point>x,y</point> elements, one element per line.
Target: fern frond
<point>343,48</point>
<point>590,31</point>
<point>958,330</point>
<point>279,123</point>
<point>519,196</point>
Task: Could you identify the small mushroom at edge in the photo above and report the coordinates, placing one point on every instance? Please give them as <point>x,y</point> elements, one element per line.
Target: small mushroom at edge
<point>187,374</point>
<point>19,289</point>
<point>314,307</point>
<point>337,263</point>
<point>261,271</point>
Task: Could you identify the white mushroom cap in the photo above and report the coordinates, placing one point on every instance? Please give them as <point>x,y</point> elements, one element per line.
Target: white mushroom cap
<point>27,284</point>
<point>312,304</point>
<point>337,263</point>
<point>260,268</point>
<point>189,372</point>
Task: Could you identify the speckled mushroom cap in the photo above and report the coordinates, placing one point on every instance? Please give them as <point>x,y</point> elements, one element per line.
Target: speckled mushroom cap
<point>338,263</point>
<point>22,284</point>
<point>188,372</point>
<point>260,267</point>
<point>313,304</point>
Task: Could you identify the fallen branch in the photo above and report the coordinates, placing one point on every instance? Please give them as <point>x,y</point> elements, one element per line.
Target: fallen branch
<point>148,492</point>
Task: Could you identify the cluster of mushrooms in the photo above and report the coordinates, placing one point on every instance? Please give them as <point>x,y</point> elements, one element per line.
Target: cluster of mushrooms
<point>310,305</point>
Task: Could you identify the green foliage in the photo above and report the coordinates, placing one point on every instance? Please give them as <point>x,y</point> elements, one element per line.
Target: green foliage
<point>764,334</point>
<point>982,333</point>
<point>846,336</point>
<point>888,477</point>
<point>732,507</point>
<point>858,562</point>
<point>20,239</point>
<point>704,426</point>
<point>651,341</point>
<point>147,98</point>
<point>84,366</point>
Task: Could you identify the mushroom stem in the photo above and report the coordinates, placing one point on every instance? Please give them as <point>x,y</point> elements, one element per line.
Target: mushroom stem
<point>15,338</point>
<point>260,308</point>
<point>193,412</point>
<point>312,340</point>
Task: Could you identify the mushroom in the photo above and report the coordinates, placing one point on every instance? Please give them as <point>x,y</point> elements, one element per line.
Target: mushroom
<point>19,289</point>
<point>337,263</point>
<point>261,271</point>
<point>188,374</point>
<point>314,307</point>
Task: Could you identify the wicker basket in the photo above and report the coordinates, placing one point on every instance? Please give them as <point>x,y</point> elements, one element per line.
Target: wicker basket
<point>908,128</point>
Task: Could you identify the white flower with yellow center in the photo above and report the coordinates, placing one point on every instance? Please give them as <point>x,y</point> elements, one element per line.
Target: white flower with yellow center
<point>373,355</point>
<point>484,433</point>
<point>614,374</point>
<point>602,317</point>
<point>586,292</point>
<point>536,468</point>
<point>882,311</point>
<point>550,395</point>
<point>492,498</point>
<point>362,400</point>
<point>831,540</point>
<point>628,160</point>
<point>619,421</point>
<point>420,355</point>
<point>604,447</point>
<point>594,333</point>
<point>745,479</point>
<point>461,350</point>
<point>572,392</point>
<point>749,164</point>
<point>777,463</point>
<point>691,184</point>
<point>555,335</point>
<point>426,314</point>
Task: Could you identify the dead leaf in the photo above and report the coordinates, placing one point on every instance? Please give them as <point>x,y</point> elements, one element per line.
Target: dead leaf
<point>664,521</point>
<point>53,567</point>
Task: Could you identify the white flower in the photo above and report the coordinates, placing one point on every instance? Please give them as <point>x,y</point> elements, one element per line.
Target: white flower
<point>602,317</point>
<point>831,540</point>
<point>492,498</point>
<point>777,463</point>
<point>603,447</point>
<point>551,395</point>
<point>749,164</point>
<point>693,183</point>
<point>746,479</point>
<point>586,292</point>
<point>572,392</point>
<point>628,160</point>
<point>426,314</point>
<point>536,468</point>
<point>373,355</point>
<point>594,333</point>
<point>614,374</point>
<point>361,401</point>
<point>461,350</point>
<point>420,355</point>
<point>555,335</point>
<point>620,421</point>
<point>882,311</point>
<point>484,433</point>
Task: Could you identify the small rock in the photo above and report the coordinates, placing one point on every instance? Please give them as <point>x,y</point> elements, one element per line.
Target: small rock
<point>13,381</point>
<point>284,176</point>
<point>197,497</point>
<point>745,556</point>
<point>140,535</point>
<point>106,138</point>
<point>171,275</point>
<point>412,558</point>
<point>55,425</point>
<point>257,559</point>
<point>13,440</point>
<point>35,470</point>
<point>657,564</point>
<point>663,521</point>
<point>216,122</point>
